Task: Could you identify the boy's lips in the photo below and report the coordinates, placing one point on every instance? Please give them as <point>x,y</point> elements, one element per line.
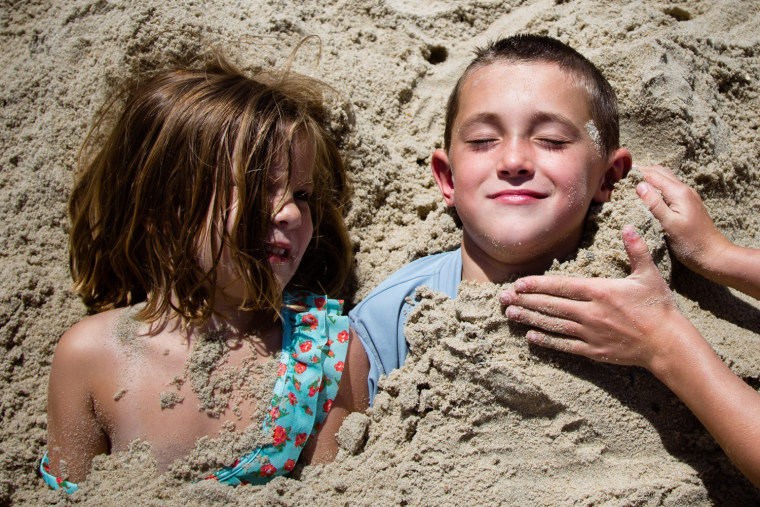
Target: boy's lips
<point>517,196</point>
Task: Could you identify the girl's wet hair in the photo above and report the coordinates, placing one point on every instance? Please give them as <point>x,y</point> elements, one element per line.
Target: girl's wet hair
<point>539,48</point>
<point>146,193</point>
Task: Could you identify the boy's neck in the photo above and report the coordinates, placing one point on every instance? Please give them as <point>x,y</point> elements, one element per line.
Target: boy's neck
<point>477,266</point>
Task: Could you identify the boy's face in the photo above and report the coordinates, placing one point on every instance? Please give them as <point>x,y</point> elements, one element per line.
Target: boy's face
<point>522,168</point>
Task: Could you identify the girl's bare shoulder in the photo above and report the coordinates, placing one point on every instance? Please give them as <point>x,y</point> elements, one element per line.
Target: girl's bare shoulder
<point>89,339</point>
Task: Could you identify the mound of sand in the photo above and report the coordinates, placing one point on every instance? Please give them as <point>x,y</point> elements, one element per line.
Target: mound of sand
<point>476,415</point>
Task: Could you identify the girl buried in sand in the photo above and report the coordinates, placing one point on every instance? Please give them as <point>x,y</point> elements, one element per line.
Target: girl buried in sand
<point>187,225</point>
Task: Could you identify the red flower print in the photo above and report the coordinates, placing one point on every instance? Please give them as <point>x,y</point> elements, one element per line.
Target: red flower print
<point>310,320</point>
<point>327,406</point>
<point>300,367</point>
<point>343,337</point>
<point>312,391</point>
<point>297,385</point>
<point>275,413</point>
<point>280,435</point>
<point>315,359</point>
<point>319,302</point>
<point>268,470</point>
<point>212,477</point>
<point>306,346</point>
<point>330,353</point>
<point>289,465</point>
<point>307,411</point>
<point>301,439</point>
<point>339,366</point>
<point>282,369</point>
<point>292,398</point>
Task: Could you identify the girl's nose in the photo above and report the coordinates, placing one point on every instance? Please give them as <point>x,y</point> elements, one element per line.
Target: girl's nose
<point>516,159</point>
<point>287,214</point>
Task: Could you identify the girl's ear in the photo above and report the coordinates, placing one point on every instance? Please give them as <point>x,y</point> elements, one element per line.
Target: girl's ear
<point>443,175</point>
<point>617,168</point>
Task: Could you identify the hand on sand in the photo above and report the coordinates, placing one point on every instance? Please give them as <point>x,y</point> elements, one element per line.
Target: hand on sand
<point>619,321</point>
<point>691,233</point>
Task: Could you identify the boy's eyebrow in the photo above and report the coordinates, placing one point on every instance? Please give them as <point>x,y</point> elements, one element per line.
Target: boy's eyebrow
<point>484,117</point>
<point>537,118</point>
<point>549,117</point>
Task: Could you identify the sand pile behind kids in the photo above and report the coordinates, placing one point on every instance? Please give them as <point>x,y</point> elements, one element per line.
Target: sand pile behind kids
<point>475,415</point>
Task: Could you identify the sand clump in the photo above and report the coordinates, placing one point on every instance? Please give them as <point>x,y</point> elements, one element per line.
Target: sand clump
<point>476,415</point>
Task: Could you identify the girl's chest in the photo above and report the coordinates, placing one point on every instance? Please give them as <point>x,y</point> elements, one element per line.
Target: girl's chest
<point>171,395</point>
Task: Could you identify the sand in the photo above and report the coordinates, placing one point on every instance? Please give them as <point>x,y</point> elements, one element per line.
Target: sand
<point>476,415</point>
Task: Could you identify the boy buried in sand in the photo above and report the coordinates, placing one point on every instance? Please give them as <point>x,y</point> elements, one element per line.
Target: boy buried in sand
<point>197,210</point>
<point>635,320</point>
<point>531,140</point>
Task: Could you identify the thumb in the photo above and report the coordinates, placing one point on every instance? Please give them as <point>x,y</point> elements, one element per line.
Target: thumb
<point>638,252</point>
<point>653,200</point>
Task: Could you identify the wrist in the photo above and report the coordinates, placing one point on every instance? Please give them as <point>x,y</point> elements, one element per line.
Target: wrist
<point>678,343</point>
<point>711,262</point>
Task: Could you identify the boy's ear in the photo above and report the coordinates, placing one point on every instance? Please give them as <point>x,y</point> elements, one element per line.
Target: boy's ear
<point>617,168</point>
<point>443,175</point>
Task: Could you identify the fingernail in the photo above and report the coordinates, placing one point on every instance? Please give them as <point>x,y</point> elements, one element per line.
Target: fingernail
<point>642,189</point>
<point>511,312</point>
<point>507,297</point>
<point>520,286</point>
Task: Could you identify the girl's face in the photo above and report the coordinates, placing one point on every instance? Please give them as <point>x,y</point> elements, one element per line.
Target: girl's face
<point>291,229</point>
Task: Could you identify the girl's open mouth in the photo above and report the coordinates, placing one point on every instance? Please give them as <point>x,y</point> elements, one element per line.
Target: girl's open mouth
<point>277,254</point>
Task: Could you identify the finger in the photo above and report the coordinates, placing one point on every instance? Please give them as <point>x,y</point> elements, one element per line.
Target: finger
<point>660,174</point>
<point>654,202</point>
<point>561,286</point>
<point>563,344</point>
<point>546,322</point>
<point>673,190</point>
<point>569,309</point>
<point>638,252</point>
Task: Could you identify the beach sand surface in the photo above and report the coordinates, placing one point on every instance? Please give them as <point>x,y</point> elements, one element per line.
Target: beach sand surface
<point>476,415</point>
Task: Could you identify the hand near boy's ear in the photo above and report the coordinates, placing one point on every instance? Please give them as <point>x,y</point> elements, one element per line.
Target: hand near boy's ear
<point>693,237</point>
<point>691,234</point>
<point>620,321</point>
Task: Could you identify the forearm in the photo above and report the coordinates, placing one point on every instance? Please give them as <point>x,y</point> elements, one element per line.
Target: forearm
<point>736,267</point>
<point>727,407</point>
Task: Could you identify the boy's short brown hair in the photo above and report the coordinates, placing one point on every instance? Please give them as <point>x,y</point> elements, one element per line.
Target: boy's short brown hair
<point>166,170</point>
<point>539,48</point>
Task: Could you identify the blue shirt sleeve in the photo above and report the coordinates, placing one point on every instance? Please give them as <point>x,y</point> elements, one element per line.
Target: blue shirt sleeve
<point>380,318</point>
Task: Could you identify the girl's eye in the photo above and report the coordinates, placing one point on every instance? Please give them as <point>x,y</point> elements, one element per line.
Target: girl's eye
<point>302,195</point>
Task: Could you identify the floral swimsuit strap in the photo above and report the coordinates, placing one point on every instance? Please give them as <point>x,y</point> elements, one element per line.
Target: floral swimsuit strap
<point>314,346</point>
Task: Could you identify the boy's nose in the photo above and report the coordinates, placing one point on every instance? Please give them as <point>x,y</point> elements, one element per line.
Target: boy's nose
<point>287,214</point>
<point>516,160</point>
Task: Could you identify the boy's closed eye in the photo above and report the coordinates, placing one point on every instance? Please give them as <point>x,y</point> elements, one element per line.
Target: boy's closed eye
<point>553,143</point>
